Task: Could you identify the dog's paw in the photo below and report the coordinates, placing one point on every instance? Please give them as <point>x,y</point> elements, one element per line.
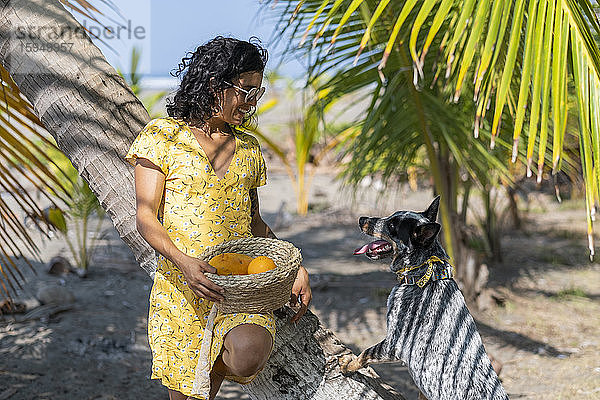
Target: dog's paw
<point>346,362</point>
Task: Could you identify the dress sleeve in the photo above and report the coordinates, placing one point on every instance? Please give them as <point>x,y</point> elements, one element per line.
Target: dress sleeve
<point>151,143</point>
<point>261,168</point>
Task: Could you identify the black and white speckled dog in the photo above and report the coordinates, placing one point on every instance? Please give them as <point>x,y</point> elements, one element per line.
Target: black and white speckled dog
<point>429,327</point>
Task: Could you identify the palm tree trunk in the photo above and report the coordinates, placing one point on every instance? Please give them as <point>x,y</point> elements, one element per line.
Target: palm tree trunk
<point>94,117</point>
<point>85,105</point>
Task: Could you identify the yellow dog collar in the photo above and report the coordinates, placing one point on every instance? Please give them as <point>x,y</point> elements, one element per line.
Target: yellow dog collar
<point>447,273</point>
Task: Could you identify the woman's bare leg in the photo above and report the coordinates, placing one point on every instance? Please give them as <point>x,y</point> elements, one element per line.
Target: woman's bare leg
<point>217,374</point>
<point>175,395</point>
<point>246,349</point>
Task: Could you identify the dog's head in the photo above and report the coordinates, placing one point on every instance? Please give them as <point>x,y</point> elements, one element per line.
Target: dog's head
<point>404,235</point>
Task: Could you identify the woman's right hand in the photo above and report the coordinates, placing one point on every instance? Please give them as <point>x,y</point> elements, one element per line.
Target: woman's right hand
<point>193,270</point>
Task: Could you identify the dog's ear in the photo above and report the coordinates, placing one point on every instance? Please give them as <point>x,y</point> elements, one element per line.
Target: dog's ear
<point>425,234</point>
<point>432,211</point>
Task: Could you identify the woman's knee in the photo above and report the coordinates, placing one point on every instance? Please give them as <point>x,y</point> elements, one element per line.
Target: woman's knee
<point>248,349</point>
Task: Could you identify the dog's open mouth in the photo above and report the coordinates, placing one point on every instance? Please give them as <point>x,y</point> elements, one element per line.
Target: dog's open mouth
<point>376,249</point>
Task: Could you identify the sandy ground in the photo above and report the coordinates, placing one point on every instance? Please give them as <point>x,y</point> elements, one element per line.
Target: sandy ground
<point>546,332</point>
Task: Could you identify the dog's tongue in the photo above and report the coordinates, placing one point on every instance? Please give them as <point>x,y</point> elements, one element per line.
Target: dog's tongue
<point>369,246</point>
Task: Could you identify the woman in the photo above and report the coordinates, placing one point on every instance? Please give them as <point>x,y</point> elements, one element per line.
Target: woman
<point>199,175</point>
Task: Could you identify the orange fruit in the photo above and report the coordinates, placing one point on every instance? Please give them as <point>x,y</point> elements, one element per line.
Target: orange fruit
<point>261,264</point>
<point>231,263</point>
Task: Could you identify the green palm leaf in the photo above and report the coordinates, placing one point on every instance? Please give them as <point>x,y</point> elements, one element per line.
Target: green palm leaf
<point>400,123</point>
<point>549,42</point>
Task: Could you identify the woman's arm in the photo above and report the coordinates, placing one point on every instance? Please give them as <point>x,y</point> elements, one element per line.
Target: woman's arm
<point>149,186</point>
<point>301,289</point>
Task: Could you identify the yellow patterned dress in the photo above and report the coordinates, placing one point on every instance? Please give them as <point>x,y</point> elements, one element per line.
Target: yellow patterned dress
<point>199,210</point>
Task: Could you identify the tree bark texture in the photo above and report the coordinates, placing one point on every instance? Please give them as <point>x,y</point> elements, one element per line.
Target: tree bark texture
<point>82,101</point>
<point>94,117</point>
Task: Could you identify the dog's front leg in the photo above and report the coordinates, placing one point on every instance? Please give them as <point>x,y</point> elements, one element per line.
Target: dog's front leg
<point>349,363</point>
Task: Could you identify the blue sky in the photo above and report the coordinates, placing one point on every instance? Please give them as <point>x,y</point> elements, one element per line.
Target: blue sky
<point>166,30</point>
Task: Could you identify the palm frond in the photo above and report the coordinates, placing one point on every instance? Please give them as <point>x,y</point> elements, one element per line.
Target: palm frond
<point>549,42</point>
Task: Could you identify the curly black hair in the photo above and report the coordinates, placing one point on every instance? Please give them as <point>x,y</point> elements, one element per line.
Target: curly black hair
<point>221,58</point>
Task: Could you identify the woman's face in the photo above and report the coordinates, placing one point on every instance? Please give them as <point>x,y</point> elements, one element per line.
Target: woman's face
<point>233,99</point>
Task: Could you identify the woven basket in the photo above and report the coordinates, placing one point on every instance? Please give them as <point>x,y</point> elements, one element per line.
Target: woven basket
<point>256,293</point>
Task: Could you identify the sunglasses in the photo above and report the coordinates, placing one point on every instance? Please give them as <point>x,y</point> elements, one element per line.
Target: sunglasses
<point>252,94</point>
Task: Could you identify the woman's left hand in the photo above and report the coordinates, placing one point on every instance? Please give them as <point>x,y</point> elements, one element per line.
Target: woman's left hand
<point>301,291</point>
